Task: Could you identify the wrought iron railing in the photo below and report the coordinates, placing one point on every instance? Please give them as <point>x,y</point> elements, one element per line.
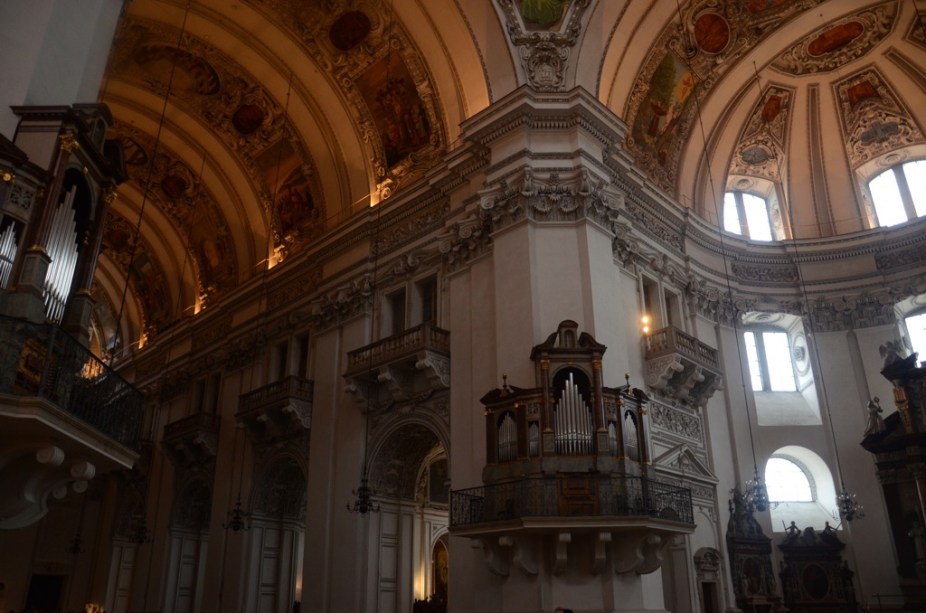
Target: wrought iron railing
<point>672,340</point>
<point>390,349</point>
<point>43,360</point>
<point>531,498</point>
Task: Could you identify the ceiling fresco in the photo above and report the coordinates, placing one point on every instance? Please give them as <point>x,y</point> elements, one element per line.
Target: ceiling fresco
<point>872,117</point>
<point>146,277</point>
<point>764,138</point>
<point>372,62</point>
<point>176,190</point>
<point>684,65</point>
<point>248,120</point>
<point>286,118</point>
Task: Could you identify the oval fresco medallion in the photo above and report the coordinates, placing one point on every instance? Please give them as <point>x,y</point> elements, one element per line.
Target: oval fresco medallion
<point>712,33</point>
<point>835,38</point>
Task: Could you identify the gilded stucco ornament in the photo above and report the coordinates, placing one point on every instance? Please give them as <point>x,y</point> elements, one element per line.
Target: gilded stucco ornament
<point>543,34</point>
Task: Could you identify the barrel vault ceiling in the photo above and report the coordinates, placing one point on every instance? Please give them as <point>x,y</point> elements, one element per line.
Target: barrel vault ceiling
<point>252,127</point>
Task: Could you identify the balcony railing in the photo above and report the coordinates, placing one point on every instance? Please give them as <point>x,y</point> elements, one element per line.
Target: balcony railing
<point>672,340</point>
<point>44,361</point>
<point>616,497</point>
<point>394,348</point>
<point>275,393</point>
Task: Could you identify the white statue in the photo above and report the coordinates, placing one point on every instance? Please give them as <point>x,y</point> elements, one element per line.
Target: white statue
<point>875,422</point>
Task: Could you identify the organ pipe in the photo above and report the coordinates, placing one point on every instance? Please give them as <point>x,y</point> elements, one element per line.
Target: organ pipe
<point>573,422</point>
<point>61,247</point>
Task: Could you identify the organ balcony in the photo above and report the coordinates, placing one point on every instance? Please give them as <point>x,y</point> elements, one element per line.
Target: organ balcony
<point>410,366</point>
<point>64,417</point>
<point>681,367</point>
<point>566,471</point>
<point>276,411</point>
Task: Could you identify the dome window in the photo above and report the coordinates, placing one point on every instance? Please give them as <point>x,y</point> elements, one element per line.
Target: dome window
<point>747,214</point>
<point>899,193</point>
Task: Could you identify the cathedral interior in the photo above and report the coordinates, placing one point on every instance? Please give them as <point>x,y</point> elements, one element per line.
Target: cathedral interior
<point>490,306</point>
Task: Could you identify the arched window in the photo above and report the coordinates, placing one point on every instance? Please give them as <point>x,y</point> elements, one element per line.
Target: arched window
<point>787,481</point>
<point>899,193</point>
<point>800,489</point>
<point>747,214</point>
<point>771,368</point>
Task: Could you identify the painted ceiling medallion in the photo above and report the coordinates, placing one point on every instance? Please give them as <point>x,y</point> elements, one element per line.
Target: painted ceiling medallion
<point>247,119</point>
<point>349,30</point>
<point>837,44</point>
<point>711,32</point>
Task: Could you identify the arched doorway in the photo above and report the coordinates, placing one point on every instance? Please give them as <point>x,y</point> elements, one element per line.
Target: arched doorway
<point>410,476</point>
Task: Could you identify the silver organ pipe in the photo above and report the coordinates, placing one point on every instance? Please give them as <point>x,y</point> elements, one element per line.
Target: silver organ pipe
<point>7,253</point>
<point>61,247</point>
<point>507,439</point>
<point>572,422</point>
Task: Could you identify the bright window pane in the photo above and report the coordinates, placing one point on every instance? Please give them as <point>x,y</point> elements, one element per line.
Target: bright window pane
<point>778,358</point>
<point>757,218</point>
<point>752,354</point>
<point>786,482</point>
<point>916,326</point>
<point>731,217</point>
<point>915,173</point>
<point>886,196</point>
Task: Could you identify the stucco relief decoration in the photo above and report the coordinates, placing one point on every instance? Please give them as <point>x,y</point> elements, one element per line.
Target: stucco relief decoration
<point>369,57</point>
<point>544,31</point>
<point>145,274</point>
<point>688,58</point>
<point>873,120</point>
<point>551,198</point>
<point>839,43</point>
<point>765,135</point>
<point>917,33</point>
<point>179,194</point>
<point>243,114</point>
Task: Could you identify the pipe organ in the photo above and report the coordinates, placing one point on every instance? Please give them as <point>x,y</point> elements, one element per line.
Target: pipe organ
<point>61,246</point>
<point>8,246</point>
<point>573,426</point>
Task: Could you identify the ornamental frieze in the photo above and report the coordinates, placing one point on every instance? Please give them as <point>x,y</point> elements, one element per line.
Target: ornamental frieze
<point>838,43</point>
<point>551,198</point>
<point>765,273</point>
<point>676,422</point>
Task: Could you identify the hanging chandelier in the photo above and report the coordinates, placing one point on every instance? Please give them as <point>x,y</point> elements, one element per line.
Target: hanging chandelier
<point>756,493</point>
<point>849,507</point>
<point>363,501</point>
<point>237,518</point>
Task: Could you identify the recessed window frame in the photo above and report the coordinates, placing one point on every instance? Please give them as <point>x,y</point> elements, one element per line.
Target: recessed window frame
<point>888,214</point>
<point>761,360</point>
<point>808,476</point>
<point>739,199</point>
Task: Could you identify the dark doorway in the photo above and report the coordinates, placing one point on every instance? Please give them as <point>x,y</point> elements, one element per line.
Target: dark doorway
<point>45,593</point>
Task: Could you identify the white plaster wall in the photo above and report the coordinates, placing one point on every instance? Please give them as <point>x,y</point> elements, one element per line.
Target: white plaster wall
<point>61,48</point>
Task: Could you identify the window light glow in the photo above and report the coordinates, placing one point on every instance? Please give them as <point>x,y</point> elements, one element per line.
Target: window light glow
<point>887,200</point>
<point>787,482</point>
<point>915,173</point>
<point>731,216</point>
<point>757,218</point>
<point>916,327</point>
